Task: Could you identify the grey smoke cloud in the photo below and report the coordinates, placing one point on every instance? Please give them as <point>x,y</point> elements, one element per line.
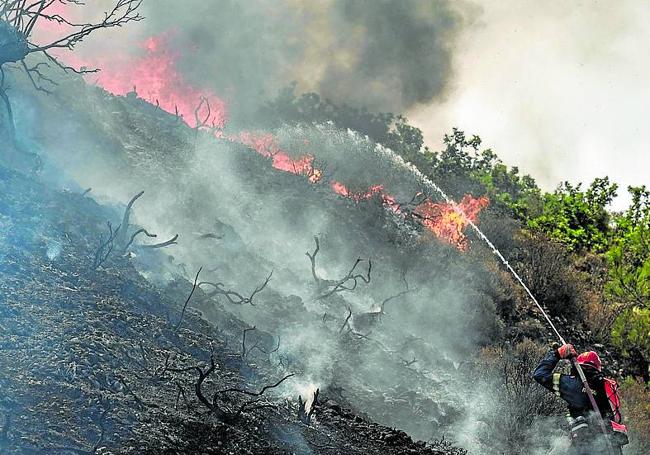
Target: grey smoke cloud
<point>380,54</point>
<point>556,88</point>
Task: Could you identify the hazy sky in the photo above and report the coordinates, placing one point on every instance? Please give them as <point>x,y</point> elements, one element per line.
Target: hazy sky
<point>559,88</point>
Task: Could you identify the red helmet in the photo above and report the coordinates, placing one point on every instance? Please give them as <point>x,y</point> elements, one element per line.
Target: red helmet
<point>590,359</point>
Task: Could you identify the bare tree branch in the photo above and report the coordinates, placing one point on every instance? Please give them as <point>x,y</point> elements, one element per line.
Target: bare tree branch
<point>135,234</point>
<point>347,320</point>
<point>393,297</point>
<point>312,259</point>
<point>350,281</point>
<point>172,241</point>
<point>19,19</point>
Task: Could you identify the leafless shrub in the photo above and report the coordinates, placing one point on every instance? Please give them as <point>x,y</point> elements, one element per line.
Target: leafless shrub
<point>547,270</point>
<point>518,399</point>
<point>125,241</point>
<point>348,283</point>
<point>18,21</point>
<point>220,410</point>
<point>105,246</point>
<point>235,297</point>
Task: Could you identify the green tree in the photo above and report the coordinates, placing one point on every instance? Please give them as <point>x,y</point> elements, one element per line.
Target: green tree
<point>629,270</point>
<point>576,218</point>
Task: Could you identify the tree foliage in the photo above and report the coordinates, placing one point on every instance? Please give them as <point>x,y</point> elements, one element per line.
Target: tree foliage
<point>578,219</point>
<point>629,269</point>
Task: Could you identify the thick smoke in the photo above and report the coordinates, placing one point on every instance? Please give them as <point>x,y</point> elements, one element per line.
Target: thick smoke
<point>380,54</point>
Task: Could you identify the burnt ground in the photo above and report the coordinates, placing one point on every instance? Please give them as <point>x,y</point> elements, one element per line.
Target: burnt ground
<point>89,357</point>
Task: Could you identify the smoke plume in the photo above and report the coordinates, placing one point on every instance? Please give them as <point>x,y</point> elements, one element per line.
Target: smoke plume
<point>382,55</point>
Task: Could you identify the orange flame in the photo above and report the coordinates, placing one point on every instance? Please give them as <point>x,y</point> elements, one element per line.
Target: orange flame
<point>155,75</point>
<point>447,222</point>
<point>266,145</point>
<point>386,199</point>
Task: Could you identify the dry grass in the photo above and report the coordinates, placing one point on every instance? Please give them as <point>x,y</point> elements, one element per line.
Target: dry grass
<point>520,402</point>
<point>635,397</point>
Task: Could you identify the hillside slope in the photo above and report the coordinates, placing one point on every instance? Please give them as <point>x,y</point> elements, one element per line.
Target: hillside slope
<point>88,354</point>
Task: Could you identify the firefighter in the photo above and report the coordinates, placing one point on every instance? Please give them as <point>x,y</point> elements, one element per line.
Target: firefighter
<point>585,433</point>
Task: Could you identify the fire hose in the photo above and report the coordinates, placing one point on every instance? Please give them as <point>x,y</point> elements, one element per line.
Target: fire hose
<point>574,362</point>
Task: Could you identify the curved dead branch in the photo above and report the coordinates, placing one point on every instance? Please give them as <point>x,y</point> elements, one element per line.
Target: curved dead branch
<point>235,297</point>
<point>348,283</point>
<point>172,241</point>
<point>135,234</point>
<point>393,297</point>
<point>221,411</point>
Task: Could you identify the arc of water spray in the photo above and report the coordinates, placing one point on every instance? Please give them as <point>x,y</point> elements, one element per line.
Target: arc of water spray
<point>498,254</point>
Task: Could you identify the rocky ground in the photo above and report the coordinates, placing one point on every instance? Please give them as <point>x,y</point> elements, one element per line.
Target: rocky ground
<point>98,360</point>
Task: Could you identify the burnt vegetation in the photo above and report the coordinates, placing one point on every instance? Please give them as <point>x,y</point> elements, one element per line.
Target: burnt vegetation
<point>130,355</point>
<point>349,282</point>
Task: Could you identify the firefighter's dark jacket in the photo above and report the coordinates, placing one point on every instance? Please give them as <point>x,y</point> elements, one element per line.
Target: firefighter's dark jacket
<point>569,388</point>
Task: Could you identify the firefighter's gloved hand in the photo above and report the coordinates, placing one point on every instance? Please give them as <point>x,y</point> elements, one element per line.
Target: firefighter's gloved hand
<point>566,351</point>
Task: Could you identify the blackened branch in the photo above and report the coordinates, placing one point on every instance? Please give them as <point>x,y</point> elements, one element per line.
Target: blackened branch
<point>135,234</point>
<point>106,245</point>
<point>221,411</point>
<point>347,320</point>
<point>348,283</point>
<point>312,259</point>
<point>194,286</point>
<point>235,297</point>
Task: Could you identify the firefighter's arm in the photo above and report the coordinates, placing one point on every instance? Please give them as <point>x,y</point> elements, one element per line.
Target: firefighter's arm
<point>543,374</point>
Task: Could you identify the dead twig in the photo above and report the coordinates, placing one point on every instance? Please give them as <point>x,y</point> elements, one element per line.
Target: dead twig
<point>194,286</point>
<point>347,320</point>
<point>106,246</point>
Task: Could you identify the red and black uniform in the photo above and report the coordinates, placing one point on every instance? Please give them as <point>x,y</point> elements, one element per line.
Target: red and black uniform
<point>586,437</point>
